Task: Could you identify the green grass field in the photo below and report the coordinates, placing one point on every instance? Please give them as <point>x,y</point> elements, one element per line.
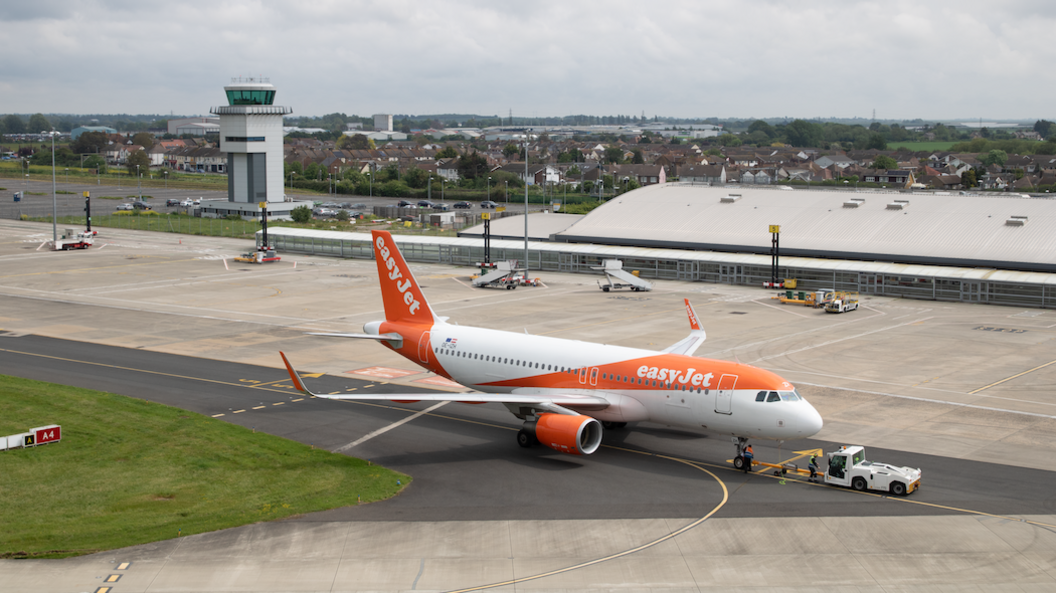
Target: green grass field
<point>129,472</point>
<point>919,146</point>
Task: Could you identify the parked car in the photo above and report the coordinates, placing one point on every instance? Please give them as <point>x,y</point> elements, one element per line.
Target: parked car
<point>425,204</point>
<point>126,206</point>
<point>324,212</point>
<point>488,204</point>
<point>360,206</point>
<point>441,206</point>
<point>408,218</point>
<point>141,205</point>
<point>346,205</point>
<point>463,205</point>
<point>404,204</point>
<point>331,205</point>
<point>172,202</point>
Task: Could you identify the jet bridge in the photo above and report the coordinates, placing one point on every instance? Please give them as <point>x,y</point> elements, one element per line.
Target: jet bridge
<point>616,277</point>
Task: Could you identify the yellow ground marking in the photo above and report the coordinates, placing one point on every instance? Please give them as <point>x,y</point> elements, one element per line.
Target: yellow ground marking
<point>300,399</point>
<point>673,534</point>
<point>1012,377</point>
<point>238,411</point>
<point>217,415</point>
<point>259,407</point>
<point>259,384</point>
<point>103,590</point>
<point>351,389</point>
<point>801,455</point>
<point>112,578</point>
<point>278,403</point>
<point>123,566</point>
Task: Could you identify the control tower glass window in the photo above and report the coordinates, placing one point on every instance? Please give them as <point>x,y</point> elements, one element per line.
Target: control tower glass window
<point>250,97</point>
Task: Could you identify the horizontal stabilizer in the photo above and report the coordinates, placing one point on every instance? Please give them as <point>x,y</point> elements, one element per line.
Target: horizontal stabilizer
<point>390,337</point>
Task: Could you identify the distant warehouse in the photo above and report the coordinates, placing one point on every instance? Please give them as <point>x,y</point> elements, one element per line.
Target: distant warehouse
<point>989,248</point>
<point>945,229</point>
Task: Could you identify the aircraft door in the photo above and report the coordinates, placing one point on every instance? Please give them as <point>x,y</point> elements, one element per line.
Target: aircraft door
<point>424,346</point>
<point>583,375</point>
<point>594,376</point>
<point>724,394</point>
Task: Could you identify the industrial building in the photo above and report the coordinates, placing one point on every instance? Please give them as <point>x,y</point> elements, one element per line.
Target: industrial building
<point>995,249</point>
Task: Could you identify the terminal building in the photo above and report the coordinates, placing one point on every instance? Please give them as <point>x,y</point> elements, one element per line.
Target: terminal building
<point>987,248</point>
<point>251,134</point>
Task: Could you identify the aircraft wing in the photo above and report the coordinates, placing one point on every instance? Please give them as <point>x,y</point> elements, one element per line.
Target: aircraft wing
<point>542,400</point>
<point>695,338</point>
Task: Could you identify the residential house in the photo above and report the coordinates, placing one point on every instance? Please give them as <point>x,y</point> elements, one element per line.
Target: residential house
<point>894,177</point>
<point>702,173</point>
<point>644,174</point>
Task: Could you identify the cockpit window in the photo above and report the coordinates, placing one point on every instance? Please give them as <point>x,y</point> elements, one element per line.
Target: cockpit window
<point>773,397</point>
<point>761,396</point>
<point>789,396</point>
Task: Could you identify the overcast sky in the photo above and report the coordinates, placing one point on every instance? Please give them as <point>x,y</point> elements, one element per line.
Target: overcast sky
<point>967,59</point>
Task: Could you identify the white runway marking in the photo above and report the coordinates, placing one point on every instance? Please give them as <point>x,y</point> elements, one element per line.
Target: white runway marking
<point>837,341</point>
<point>387,428</point>
<point>938,401</point>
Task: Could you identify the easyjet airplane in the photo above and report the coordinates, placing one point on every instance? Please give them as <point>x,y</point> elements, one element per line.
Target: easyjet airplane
<point>566,390</point>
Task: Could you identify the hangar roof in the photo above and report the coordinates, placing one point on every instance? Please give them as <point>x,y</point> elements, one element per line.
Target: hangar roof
<point>540,226</point>
<point>992,230</point>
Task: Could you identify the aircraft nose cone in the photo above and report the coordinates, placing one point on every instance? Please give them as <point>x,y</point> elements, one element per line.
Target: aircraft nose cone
<point>812,421</point>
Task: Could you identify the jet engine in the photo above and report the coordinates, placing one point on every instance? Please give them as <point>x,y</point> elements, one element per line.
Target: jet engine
<point>573,434</point>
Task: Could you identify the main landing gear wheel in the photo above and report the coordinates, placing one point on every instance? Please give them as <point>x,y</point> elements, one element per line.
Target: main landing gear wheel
<point>859,484</point>
<point>524,438</point>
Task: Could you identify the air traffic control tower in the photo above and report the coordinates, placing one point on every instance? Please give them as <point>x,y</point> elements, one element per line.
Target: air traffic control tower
<point>251,135</point>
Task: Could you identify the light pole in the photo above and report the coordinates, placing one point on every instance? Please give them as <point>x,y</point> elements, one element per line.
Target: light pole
<point>166,174</point>
<point>54,193</point>
<point>139,183</point>
<point>371,181</point>
<point>443,184</point>
<point>507,182</point>
<point>67,172</point>
<point>526,206</point>
<point>489,189</point>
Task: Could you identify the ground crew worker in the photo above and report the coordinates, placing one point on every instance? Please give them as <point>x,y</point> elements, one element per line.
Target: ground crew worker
<point>813,467</point>
<point>749,455</point>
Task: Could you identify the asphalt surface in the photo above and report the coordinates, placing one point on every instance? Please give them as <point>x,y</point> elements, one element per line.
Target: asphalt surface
<point>467,466</point>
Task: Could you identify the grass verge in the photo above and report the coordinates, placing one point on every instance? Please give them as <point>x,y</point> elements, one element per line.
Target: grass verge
<point>128,472</point>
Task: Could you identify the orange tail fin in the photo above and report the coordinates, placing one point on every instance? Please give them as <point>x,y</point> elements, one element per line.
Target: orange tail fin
<point>403,298</point>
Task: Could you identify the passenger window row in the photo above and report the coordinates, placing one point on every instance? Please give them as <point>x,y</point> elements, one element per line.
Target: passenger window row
<point>568,370</point>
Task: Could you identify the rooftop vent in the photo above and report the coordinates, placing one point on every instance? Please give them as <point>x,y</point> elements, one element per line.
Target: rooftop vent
<point>898,205</point>
<point>1016,221</point>
<point>730,199</point>
<point>853,203</point>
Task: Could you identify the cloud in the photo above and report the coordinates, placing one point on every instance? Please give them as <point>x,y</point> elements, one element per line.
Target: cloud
<point>681,58</point>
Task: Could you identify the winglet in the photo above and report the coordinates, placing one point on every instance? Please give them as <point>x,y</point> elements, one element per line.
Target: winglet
<point>297,383</point>
<point>696,337</point>
<point>694,322</point>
